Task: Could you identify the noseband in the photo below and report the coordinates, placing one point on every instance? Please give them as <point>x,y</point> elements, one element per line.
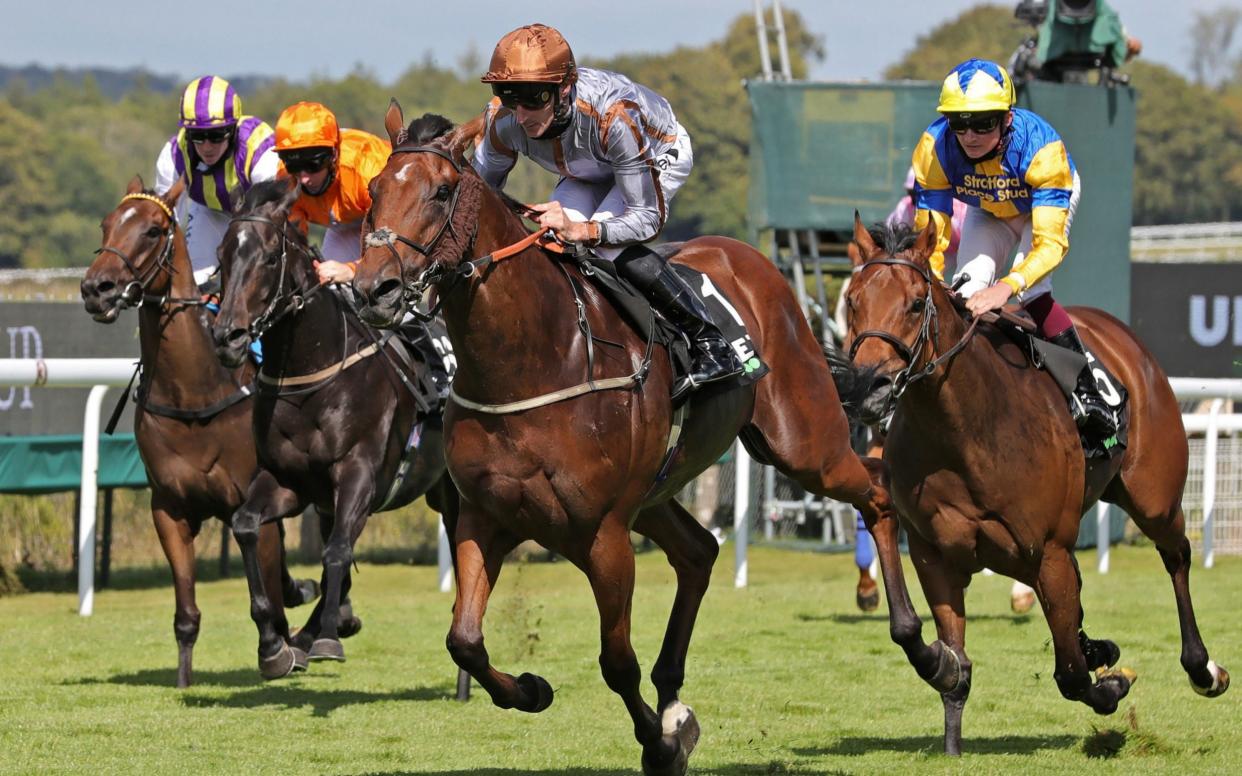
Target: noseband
<point>136,290</point>
<point>281,304</point>
<point>929,328</point>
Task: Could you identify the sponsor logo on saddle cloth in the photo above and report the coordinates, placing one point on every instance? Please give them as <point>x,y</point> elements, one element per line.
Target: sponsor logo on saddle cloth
<point>725,316</point>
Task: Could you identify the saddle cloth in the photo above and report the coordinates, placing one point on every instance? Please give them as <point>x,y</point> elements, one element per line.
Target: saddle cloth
<point>635,308</point>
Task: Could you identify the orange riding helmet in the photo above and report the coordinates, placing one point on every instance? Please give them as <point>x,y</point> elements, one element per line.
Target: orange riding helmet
<point>306,125</point>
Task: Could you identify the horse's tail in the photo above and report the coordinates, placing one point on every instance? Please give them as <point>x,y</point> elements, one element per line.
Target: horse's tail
<point>853,383</point>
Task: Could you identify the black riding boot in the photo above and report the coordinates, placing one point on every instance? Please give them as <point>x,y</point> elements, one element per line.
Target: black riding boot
<point>712,357</point>
<point>1091,412</point>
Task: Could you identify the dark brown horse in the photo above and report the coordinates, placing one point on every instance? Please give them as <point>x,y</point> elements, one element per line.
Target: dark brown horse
<point>578,474</point>
<point>988,471</point>
<point>192,421</point>
<point>333,416</point>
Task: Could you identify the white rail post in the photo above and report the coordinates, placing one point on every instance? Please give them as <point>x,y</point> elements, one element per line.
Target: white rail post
<point>89,496</point>
<point>1102,538</point>
<point>444,558</point>
<point>741,512</point>
<point>1209,481</point>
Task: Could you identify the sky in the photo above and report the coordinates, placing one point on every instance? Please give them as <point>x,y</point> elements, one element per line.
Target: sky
<point>331,37</point>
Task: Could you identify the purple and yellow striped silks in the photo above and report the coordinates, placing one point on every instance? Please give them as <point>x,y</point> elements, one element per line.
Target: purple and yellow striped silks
<point>209,102</point>
<point>214,187</point>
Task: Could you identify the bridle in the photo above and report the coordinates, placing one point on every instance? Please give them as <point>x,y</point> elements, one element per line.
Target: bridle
<point>281,304</point>
<point>929,329</point>
<point>136,290</point>
<point>438,273</point>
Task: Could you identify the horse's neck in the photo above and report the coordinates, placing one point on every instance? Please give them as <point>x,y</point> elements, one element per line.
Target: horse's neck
<point>512,327</point>
<point>309,339</point>
<point>178,354</point>
<point>955,392</point>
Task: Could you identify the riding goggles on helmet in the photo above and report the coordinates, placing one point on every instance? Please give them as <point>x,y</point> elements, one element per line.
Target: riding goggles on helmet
<point>979,123</point>
<point>305,159</point>
<point>531,96</point>
<point>208,135</point>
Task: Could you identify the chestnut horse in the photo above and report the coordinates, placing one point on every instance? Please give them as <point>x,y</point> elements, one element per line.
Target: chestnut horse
<point>577,469</point>
<point>333,416</point>
<point>987,469</point>
<point>192,421</point>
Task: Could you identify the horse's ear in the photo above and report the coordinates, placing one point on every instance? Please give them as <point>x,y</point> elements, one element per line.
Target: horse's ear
<point>925,244</point>
<point>394,122</point>
<point>466,136</point>
<point>135,185</point>
<point>173,194</point>
<point>864,245</point>
<point>291,194</point>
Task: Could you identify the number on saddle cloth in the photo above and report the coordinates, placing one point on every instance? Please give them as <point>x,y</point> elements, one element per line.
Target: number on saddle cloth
<point>1065,366</point>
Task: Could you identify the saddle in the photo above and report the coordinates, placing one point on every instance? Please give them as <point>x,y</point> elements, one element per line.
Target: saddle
<point>639,313</point>
<point>1064,366</point>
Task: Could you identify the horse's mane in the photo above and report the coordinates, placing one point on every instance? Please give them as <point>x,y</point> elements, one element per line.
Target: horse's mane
<point>893,238</point>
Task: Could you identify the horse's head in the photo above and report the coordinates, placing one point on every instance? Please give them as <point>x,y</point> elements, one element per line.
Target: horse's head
<point>424,206</point>
<point>264,265</point>
<point>890,310</point>
<point>139,237</point>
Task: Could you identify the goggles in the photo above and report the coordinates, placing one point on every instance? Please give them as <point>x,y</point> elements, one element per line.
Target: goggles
<point>980,124</point>
<point>198,136</point>
<point>309,160</point>
<point>528,96</point>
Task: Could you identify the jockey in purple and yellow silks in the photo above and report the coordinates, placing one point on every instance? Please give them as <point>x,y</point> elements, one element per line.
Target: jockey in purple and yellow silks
<point>220,152</point>
<point>1014,173</point>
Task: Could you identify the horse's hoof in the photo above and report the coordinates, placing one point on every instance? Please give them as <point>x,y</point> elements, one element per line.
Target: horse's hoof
<point>1121,678</point>
<point>868,601</point>
<point>1101,653</point>
<point>278,665</point>
<point>349,627</point>
<point>1220,681</point>
<point>677,767</point>
<point>538,690</point>
<point>1022,602</point>
<point>327,649</point>
<point>679,720</point>
<point>302,639</point>
<point>949,672</point>
<point>307,590</point>
<point>301,661</point>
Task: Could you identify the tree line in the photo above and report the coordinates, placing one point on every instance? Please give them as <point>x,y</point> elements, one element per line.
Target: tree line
<point>67,147</point>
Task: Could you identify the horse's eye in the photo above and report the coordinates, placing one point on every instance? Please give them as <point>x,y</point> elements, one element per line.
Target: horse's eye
<point>153,232</point>
<point>917,305</point>
<point>442,193</point>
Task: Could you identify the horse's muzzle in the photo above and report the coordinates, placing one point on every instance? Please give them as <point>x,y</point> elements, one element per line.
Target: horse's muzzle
<point>102,299</point>
<point>878,402</point>
<point>383,303</point>
<point>232,344</point>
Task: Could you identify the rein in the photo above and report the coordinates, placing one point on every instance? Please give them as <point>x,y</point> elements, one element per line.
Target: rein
<point>929,328</point>
<point>438,274</point>
<point>292,302</point>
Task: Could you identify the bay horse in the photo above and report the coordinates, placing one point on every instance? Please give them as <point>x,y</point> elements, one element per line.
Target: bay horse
<point>574,468</point>
<point>332,418</point>
<point>987,469</point>
<point>192,419</point>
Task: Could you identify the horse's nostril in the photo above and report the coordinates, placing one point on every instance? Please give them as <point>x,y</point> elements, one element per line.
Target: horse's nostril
<point>387,291</point>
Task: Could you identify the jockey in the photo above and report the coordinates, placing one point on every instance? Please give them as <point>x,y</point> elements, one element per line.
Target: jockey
<point>1013,171</point>
<point>333,166</point>
<point>621,156</point>
<point>219,151</point>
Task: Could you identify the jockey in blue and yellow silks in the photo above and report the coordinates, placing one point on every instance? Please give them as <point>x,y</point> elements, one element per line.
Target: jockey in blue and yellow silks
<point>1012,170</point>
<point>220,152</point>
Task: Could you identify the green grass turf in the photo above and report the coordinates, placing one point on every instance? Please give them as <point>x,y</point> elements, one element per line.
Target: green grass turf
<point>785,676</point>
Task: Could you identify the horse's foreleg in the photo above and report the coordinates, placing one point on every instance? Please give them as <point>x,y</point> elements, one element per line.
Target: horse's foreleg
<point>444,498</point>
<point>177,541</point>
<point>294,591</point>
<point>936,663</point>
<point>692,551</point>
<point>355,490</point>
<point>265,501</point>
<point>481,546</point>
<point>271,561</point>
<point>945,588</point>
<point>1057,590</point>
